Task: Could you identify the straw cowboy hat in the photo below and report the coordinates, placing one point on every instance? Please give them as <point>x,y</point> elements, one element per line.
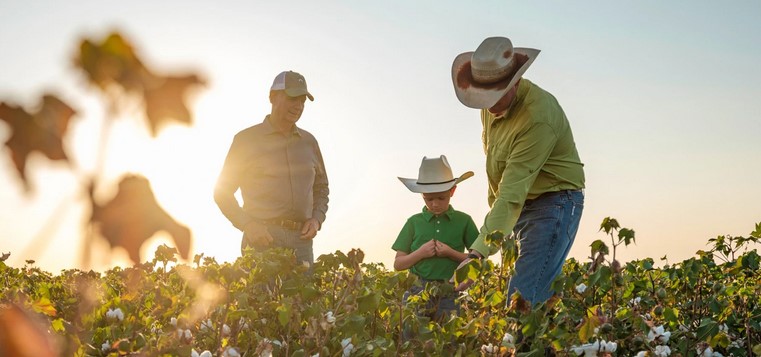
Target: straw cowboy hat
<point>435,175</point>
<point>482,77</point>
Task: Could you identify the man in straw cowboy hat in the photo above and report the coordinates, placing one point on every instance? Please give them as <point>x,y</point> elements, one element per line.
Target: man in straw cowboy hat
<point>432,243</point>
<point>279,170</point>
<point>534,171</point>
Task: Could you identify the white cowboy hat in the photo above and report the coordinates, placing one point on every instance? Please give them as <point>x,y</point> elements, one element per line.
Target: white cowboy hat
<point>482,77</point>
<point>435,175</point>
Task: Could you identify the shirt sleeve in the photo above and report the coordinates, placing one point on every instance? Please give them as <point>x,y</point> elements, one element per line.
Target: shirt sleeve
<point>471,232</point>
<point>320,189</point>
<point>529,153</point>
<point>403,241</point>
<point>228,183</point>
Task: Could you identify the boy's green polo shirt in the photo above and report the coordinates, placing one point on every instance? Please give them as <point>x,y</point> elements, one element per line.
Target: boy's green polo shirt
<point>453,228</point>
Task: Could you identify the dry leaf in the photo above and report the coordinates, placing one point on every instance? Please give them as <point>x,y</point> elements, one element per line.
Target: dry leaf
<point>165,100</point>
<point>133,216</point>
<point>42,131</point>
<point>111,62</point>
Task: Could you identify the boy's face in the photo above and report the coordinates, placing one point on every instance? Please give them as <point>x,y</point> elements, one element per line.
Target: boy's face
<point>438,202</point>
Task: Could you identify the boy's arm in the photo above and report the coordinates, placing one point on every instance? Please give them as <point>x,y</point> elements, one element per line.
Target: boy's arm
<point>404,261</point>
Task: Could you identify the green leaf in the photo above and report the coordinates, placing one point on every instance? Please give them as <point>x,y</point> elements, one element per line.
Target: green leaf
<point>284,314</point>
<point>494,239</point>
<point>707,329</point>
<point>369,302</point>
<point>609,224</point>
<point>587,329</point>
<point>757,349</point>
<point>495,298</point>
<point>469,271</point>
<point>599,246</point>
<point>671,314</point>
<point>57,325</point>
<point>627,235</point>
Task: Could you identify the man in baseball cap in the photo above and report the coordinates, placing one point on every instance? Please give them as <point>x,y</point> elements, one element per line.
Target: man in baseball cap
<point>279,170</point>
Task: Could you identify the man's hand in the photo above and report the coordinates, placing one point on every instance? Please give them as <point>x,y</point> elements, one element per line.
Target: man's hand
<point>257,235</point>
<point>309,229</point>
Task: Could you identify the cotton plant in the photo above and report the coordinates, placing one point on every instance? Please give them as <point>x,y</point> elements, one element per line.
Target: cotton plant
<point>581,288</point>
<point>707,351</point>
<point>658,334</point>
<point>592,349</point>
<point>489,349</point>
<point>508,340</point>
<point>115,314</point>
<point>233,352</point>
<point>330,318</point>
<point>206,353</point>
<point>206,325</point>
<point>662,351</point>
<point>347,346</point>
<point>184,335</point>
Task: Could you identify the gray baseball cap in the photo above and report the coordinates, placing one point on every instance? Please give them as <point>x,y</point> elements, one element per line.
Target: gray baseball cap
<point>292,83</point>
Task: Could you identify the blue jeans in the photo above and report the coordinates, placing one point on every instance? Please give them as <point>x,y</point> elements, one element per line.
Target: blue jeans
<point>545,232</point>
<point>288,238</point>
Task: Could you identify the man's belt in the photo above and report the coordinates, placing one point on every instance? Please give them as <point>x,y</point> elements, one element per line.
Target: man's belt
<point>285,223</point>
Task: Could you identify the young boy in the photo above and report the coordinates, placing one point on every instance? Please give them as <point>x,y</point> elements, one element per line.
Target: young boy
<point>432,243</point>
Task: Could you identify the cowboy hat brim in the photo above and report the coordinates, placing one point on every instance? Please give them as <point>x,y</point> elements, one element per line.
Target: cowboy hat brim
<point>484,96</point>
<point>414,186</point>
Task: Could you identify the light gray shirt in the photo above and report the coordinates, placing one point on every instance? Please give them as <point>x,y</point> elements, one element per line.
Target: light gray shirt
<point>281,176</point>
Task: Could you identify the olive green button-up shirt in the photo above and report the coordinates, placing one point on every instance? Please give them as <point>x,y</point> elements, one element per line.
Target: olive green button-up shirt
<point>529,151</point>
<point>279,175</point>
<point>453,228</point>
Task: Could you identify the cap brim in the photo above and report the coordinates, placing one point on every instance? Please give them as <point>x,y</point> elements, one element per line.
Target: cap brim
<point>483,96</point>
<point>297,92</point>
<point>413,186</point>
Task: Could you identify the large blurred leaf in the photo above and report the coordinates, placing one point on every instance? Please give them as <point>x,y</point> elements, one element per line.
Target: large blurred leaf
<point>21,335</point>
<point>165,100</point>
<point>113,63</point>
<point>41,131</point>
<point>133,216</point>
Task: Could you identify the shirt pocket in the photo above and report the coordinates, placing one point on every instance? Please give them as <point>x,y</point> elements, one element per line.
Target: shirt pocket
<point>496,162</point>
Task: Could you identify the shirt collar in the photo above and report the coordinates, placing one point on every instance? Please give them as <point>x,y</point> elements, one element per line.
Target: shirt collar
<point>272,130</point>
<point>519,97</point>
<point>429,216</point>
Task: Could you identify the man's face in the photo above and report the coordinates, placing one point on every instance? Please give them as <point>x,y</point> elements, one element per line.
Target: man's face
<point>500,108</point>
<point>287,108</point>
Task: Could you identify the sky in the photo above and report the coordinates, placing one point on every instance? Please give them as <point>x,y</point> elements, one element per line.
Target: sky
<point>662,97</point>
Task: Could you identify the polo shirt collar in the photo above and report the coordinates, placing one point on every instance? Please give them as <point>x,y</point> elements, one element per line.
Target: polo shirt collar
<point>272,130</point>
<point>428,216</point>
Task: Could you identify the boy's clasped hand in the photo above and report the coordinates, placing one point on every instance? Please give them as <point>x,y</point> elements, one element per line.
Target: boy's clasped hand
<point>434,248</point>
